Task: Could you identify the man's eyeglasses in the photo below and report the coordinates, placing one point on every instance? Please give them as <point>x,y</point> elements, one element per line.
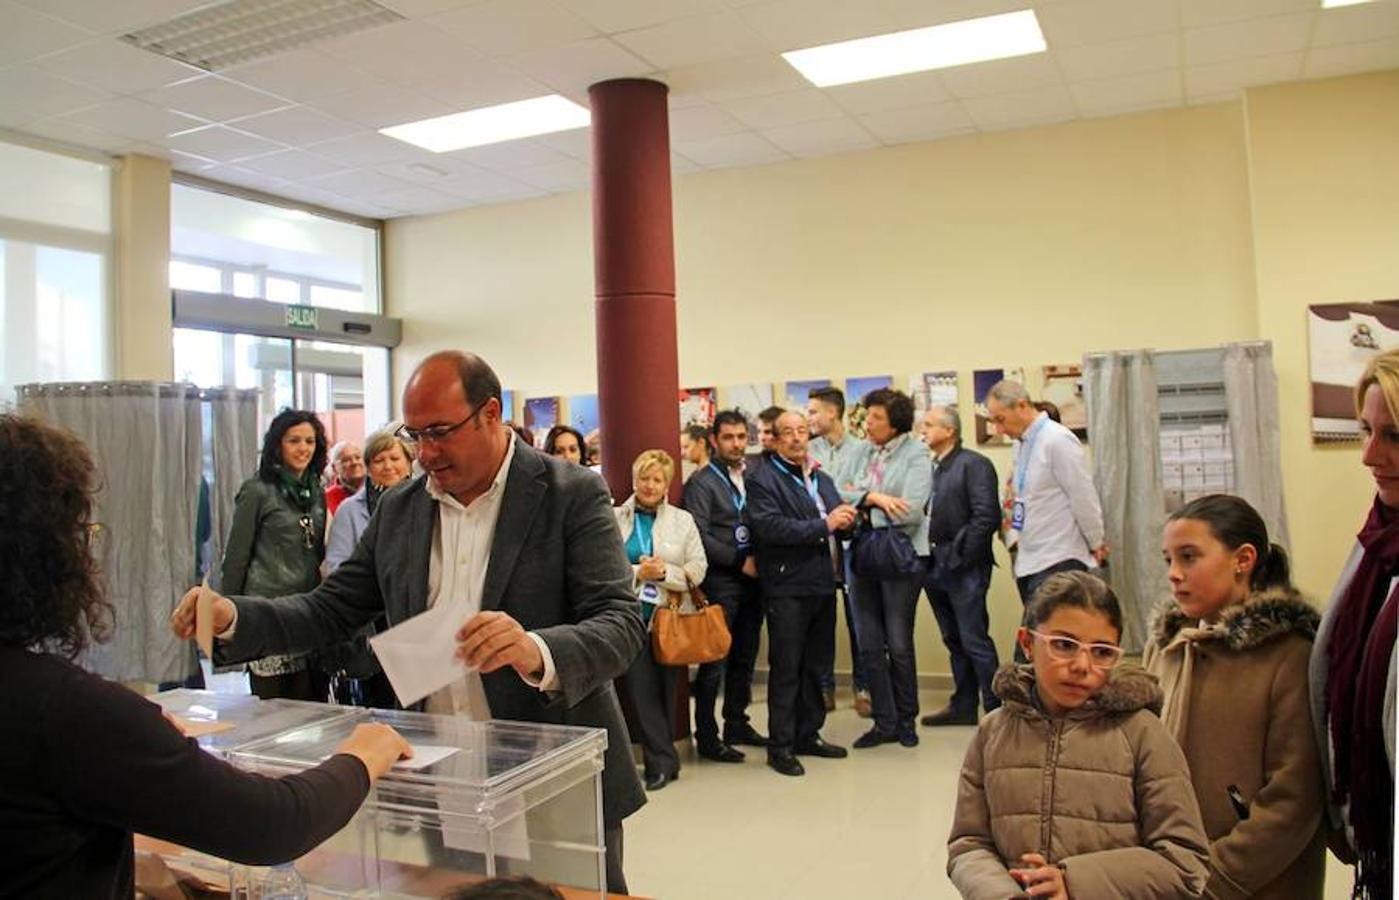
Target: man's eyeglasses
<point>792,432</point>
<point>1066,649</point>
<point>433,433</point>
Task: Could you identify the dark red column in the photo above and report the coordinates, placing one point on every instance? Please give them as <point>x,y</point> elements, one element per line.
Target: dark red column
<point>634,272</point>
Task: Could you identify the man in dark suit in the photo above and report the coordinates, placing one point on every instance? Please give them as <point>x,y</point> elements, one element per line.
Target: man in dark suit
<point>715,496</point>
<point>963,515</point>
<point>525,545</point>
<point>797,518</point>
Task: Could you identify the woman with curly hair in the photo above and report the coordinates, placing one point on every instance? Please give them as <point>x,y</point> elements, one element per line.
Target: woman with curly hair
<point>277,541</point>
<point>86,762</point>
<point>567,442</point>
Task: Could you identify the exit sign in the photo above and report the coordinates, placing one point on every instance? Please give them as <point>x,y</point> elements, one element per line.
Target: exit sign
<point>303,317</point>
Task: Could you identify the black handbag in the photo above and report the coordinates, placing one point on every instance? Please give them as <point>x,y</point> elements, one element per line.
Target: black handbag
<point>885,553</point>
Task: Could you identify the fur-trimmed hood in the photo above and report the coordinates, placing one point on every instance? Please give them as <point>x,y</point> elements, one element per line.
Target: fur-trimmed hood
<point>1129,688</point>
<point>1265,616</point>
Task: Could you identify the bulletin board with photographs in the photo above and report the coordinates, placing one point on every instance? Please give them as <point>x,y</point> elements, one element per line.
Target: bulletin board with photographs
<point>1342,338</point>
<point>933,389</point>
<point>749,400</point>
<point>982,382</point>
<point>698,406</point>
<point>541,414</point>
<point>855,391</point>
<point>1063,386</point>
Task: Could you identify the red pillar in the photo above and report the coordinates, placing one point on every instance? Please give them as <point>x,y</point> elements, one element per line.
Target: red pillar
<point>634,274</point>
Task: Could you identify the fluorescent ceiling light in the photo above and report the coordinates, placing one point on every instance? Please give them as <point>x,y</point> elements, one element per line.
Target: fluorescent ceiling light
<point>1332,4</point>
<point>493,124</point>
<point>937,47</point>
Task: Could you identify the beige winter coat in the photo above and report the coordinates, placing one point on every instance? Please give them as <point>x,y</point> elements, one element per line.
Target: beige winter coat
<point>1249,726</point>
<point>1103,792</point>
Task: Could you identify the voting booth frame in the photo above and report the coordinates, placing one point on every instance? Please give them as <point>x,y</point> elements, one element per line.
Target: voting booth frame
<point>480,800</point>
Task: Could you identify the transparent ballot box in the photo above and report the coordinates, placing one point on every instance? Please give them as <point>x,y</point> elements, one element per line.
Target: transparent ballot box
<point>221,722</point>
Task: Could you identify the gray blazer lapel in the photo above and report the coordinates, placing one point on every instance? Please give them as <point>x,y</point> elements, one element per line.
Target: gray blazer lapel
<point>524,493</point>
<point>422,526</point>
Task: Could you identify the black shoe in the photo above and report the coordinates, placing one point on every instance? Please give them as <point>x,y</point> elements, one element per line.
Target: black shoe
<point>743,736</point>
<point>720,753</point>
<point>949,716</point>
<point>783,762</point>
<point>873,738</point>
<point>908,737</point>
<point>660,780</point>
<point>817,747</point>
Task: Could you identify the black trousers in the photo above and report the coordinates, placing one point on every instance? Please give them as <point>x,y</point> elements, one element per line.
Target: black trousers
<point>744,612</point>
<point>616,881</point>
<point>308,684</point>
<point>801,646</point>
<point>652,690</point>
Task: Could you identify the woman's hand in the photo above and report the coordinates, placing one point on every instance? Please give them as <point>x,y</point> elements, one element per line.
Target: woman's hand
<point>377,746</point>
<point>894,507</point>
<point>651,568</point>
<point>1040,878</point>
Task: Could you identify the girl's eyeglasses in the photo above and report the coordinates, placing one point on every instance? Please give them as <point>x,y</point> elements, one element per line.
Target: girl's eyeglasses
<point>1066,649</point>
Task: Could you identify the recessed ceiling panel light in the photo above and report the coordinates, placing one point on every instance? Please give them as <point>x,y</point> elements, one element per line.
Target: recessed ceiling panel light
<point>921,49</point>
<point>1332,4</point>
<point>493,124</point>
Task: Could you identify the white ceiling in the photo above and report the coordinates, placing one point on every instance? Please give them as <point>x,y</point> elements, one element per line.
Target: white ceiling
<point>302,124</point>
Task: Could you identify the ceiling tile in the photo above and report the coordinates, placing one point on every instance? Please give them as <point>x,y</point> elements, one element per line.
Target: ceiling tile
<point>302,75</point>
<point>557,177</point>
<point>820,138</point>
<point>743,149</point>
<point>420,9</point>
<point>1001,76</point>
<point>1210,99</point>
<point>294,165</point>
<point>577,143</point>
<point>483,83</point>
<point>692,41</point>
<point>578,65</point>
<point>490,187</point>
<point>29,33</point>
<point>245,177</point>
<point>1074,22</point>
<point>1052,104</point>
<point>382,106</point>
<point>1139,54</point>
<point>679,165</point>
<point>507,156</point>
<point>358,183</point>
<point>40,94</point>
<point>776,110</point>
<point>214,98</point>
<point>430,169</point>
<point>697,123</point>
<point>920,13</point>
<point>115,16</point>
<point>221,143</point>
<point>1356,24</point>
<point>612,16</point>
<point>110,65</point>
<point>1349,59</point>
<point>403,53</point>
<point>919,123</point>
<point>1218,78</point>
<point>506,27</point>
<point>794,24</point>
<point>136,119</point>
<point>750,76</point>
<point>1194,13</point>
<point>917,89</point>
<point>68,132</point>
<point>1127,93</point>
<point>296,190</point>
<point>297,126</point>
<point>1241,40</point>
<point>417,200</point>
<point>368,149</point>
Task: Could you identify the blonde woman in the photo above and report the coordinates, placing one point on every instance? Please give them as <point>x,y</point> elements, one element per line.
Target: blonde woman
<point>667,556</point>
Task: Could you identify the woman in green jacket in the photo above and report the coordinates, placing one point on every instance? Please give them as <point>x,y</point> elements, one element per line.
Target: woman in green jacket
<point>277,541</point>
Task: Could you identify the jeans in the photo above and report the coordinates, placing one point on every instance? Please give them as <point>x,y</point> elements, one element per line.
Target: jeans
<point>852,625</point>
<point>801,645</point>
<point>958,599</point>
<point>885,613</point>
<point>1028,584</point>
<point>744,612</point>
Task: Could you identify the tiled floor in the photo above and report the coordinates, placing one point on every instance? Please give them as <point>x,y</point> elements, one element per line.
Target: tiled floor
<point>871,826</point>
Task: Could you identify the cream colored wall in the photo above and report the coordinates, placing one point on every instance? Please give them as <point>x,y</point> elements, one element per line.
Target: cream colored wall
<point>142,304</point>
<point>1325,171</point>
<point>1018,248</point>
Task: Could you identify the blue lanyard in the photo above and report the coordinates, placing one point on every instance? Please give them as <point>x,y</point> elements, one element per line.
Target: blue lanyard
<point>1022,461</point>
<point>645,538</point>
<point>739,500</point>
<point>809,485</point>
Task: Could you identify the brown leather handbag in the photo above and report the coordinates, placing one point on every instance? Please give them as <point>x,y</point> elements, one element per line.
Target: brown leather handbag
<point>686,638</point>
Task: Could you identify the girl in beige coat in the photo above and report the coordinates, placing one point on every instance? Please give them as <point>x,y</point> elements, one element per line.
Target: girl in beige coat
<point>1232,652</point>
<point>1073,788</point>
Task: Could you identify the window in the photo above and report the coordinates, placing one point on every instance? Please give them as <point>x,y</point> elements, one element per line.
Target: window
<point>194,277</point>
<point>283,290</point>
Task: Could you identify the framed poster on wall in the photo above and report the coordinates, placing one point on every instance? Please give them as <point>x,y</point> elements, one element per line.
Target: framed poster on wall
<point>749,400</point>
<point>1341,340</point>
<point>933,389</point>
<point>541,414</point>
<point>982,381</point>
<point>855,391</point>
<point>698,406</point>
<point>1063,386</point>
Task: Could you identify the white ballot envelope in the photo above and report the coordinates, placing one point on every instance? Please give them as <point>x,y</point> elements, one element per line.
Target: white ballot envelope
<point>419,655</point>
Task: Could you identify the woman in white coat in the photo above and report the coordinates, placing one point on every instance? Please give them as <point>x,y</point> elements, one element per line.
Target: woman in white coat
<point>667,557</point>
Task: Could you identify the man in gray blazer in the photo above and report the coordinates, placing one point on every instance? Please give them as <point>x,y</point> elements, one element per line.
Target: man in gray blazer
<point>525,544</point>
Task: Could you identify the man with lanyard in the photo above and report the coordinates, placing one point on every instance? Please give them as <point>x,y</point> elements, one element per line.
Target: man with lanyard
<point>797,519</point>
<point>842,456</point>
<point>1056,520</point>
<point>715,496</point>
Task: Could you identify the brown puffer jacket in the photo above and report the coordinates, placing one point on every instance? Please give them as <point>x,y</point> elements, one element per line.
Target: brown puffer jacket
<point>1249,728</point>
<point>1103,792</point>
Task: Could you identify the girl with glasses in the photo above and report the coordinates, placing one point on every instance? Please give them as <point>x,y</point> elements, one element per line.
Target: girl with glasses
<point>1073,787</point>
<point>1231,651</point>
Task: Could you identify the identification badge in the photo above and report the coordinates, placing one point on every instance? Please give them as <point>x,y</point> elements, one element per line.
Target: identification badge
<point>741,536</point>
<point>651,593</point>
<point>1017,515</point>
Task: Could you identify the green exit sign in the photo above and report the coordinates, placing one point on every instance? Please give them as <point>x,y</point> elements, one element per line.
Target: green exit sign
<point>303,317</point>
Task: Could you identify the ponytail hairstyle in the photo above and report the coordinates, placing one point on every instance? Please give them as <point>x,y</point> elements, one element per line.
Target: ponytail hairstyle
<point>1233,522</point>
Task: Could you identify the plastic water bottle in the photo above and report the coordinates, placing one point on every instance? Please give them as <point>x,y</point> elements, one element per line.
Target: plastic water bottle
<point>283,883</point>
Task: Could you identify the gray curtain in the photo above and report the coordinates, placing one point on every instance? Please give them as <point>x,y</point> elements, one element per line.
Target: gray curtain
<point>145,440</point>
<point>1124,422</point>
<point>1251,392</point>
<point>235,444</point>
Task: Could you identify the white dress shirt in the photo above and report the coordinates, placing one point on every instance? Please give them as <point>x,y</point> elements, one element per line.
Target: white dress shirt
<point>1063,518</point>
